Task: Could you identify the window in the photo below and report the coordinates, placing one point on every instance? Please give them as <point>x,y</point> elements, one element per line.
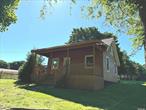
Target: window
<point>66,61</point>
<point>107,64</point>
<point>55,63</point>
<point>89,61</point>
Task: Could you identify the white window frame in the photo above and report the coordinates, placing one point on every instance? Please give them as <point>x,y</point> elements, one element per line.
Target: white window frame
<point>52,63</point>
<point>64,60</point>
<point>86,56</point>
<point>107,68</point>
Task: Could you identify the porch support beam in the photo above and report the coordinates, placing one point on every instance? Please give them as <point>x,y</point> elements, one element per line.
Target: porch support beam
<point>94,59</point>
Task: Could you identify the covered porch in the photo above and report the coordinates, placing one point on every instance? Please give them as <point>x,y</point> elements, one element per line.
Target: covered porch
<point>76,65</point>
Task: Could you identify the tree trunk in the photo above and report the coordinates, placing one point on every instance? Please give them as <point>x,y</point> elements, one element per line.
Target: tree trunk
<point>142,13</point>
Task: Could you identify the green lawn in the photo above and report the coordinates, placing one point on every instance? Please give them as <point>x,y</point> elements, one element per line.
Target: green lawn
<point>126,95</point>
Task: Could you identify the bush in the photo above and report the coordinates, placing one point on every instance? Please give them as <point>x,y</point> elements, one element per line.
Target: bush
<point>26,69</point>
<point>16,64</point>
<point>3,64</point>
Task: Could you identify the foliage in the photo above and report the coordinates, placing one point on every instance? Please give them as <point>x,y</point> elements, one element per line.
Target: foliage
<point>123,14</point>
<point>130,69</point>
<point>126,16</point>
<point>7,13</point>
<point>125,95</point>
<point>82,34</point>
<point>26,69</point>
<point>3,64</point>
<point>16,64</point>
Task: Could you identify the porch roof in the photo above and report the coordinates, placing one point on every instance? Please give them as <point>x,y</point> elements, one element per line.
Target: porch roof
<point>46,51</point>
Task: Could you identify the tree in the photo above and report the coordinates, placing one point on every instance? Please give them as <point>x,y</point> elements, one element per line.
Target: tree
<point>130,69</point>
<point>16,64</point>
<point>26,69</point>
<point>7,13</point>
<point>126,15</point>
<point>89,33</point>
<point>3,64</point>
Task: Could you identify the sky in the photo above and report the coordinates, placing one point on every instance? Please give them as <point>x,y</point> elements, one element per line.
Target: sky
<point>30,31</point>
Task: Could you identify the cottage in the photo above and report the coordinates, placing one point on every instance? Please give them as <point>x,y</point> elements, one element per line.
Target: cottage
<point>83,65</point>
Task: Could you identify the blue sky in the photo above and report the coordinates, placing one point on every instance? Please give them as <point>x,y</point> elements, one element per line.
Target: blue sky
<point>32,32</point>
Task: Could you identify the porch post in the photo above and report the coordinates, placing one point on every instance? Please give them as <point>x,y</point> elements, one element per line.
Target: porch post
<point>68,66</point>
<point>48,66</point>
<point>94,60</point>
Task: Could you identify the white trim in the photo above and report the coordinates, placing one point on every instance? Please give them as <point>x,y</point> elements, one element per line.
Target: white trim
<point>52,63</point>
<point>108,68</point>
<point>116,54</point>
<point>86,61</point>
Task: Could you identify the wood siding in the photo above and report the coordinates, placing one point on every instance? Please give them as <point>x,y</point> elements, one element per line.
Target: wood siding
<point>78,76</point>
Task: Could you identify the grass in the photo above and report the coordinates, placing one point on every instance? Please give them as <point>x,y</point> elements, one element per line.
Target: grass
<point>126,95</point>
<point>8,76</point>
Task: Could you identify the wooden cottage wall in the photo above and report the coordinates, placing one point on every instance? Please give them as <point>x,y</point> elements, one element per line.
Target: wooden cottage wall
<point>79,76</point>
<point>77,64</point>
<point>58,73</point>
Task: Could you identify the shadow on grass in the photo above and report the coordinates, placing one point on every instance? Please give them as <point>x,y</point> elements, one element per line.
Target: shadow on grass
<point>126,95</point>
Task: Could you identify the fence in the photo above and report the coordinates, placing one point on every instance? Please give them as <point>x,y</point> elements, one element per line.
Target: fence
<point>8,74</point>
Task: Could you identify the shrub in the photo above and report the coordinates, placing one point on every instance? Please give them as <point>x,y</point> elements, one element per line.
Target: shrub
<point>26,69</point>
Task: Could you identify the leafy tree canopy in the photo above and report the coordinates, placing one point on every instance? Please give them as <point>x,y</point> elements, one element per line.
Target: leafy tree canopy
<point>3,64</point>
<point>7,13</point>
<point>127,16</point>
<point>123,14</point>
<point>16,64</point>
<point>89,33</point>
